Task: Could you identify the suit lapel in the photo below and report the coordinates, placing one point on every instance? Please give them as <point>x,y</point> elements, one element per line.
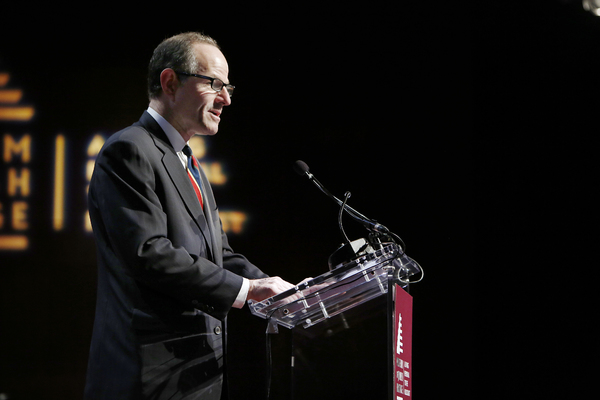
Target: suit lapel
<point>179,177</point>
<point>210,209</point>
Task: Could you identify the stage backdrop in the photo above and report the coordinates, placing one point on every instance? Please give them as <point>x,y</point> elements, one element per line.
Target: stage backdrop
<point>365,100</point>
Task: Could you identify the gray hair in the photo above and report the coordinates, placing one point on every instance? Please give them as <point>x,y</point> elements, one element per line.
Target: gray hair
<point>176,53</point>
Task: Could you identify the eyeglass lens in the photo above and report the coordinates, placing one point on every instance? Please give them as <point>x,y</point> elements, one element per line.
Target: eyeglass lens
<point>218,85</point>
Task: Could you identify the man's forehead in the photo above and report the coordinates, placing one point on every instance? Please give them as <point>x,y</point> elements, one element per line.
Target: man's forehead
<point>210,57</point>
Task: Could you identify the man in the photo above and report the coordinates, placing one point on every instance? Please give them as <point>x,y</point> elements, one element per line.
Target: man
<point>167,276</point>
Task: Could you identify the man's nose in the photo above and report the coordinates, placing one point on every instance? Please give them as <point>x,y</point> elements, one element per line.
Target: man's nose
<point>224,97</point>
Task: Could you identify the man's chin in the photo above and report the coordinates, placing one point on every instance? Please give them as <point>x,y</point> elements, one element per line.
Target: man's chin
<point>205,132</point>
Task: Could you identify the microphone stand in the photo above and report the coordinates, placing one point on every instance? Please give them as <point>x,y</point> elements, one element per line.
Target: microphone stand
<point>371,225</point>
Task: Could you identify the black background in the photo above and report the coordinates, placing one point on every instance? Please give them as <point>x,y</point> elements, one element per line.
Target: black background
<point>464,129</point>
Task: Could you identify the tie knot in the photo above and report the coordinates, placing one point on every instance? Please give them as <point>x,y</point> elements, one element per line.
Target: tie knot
<point>187,150</point>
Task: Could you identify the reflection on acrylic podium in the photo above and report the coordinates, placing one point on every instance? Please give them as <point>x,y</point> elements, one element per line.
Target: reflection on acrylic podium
<point>350,335</point>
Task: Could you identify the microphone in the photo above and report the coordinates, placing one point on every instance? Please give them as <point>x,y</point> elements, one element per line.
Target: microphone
<point>302,169</point>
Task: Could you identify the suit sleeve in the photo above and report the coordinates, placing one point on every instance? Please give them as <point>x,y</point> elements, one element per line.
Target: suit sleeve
<point>237,263</point>
<point>129,215</point>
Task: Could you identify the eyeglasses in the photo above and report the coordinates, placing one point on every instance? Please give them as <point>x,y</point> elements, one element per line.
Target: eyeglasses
<point>215,83</point>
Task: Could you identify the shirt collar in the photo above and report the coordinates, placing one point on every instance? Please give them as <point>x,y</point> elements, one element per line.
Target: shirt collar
<point>172,134</point>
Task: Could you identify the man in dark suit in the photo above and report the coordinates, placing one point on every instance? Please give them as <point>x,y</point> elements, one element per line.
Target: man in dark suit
<point>167,276</point>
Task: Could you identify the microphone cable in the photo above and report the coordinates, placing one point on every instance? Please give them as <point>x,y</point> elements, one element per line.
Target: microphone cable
<point>341,213</point>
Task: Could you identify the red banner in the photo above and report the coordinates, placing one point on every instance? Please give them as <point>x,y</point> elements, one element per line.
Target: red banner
<point>403,344</point>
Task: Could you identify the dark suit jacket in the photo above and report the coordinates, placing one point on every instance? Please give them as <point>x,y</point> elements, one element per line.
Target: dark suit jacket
<point>160,259</point>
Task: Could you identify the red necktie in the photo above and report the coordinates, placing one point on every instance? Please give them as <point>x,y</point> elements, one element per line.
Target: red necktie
<point>193,171</point>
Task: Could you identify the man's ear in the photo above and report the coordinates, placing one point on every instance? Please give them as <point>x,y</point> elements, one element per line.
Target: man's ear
<point>169,81</point>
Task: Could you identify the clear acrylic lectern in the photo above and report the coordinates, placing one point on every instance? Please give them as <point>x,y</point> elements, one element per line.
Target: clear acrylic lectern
<point>347,285</point>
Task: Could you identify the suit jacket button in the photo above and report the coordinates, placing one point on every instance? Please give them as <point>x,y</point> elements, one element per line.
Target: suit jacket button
<point>218,330</point>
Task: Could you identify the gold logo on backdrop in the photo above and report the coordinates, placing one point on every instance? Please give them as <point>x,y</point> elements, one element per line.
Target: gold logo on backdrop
<point>16,156</point>
<point>10,109</point>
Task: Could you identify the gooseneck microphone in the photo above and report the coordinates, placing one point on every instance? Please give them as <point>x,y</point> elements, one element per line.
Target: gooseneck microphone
<point>302,169</point>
